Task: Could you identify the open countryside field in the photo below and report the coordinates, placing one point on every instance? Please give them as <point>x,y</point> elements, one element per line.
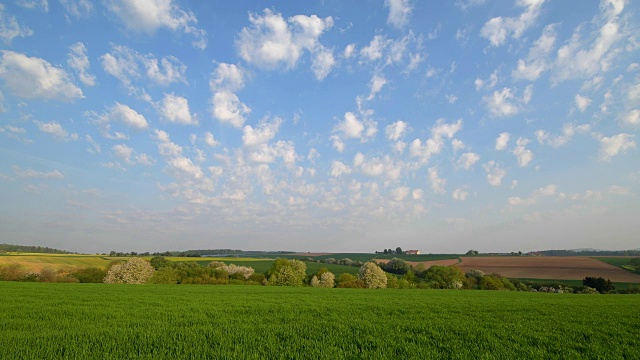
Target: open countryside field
<point>65,321</point>
<point>547,267</point>
<point>37,261</point>
<point>426,264</point>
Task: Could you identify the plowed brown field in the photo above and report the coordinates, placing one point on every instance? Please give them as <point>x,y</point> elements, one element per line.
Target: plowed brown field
<point>427,264</point>
<point>559,268</point>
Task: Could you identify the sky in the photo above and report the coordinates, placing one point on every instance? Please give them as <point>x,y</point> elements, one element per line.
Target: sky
<point>335,126</point>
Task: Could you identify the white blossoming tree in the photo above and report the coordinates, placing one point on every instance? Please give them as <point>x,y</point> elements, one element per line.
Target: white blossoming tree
<point>134,271</point>
<point>373,276</point>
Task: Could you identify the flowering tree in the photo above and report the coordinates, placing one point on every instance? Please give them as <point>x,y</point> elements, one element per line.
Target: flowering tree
<point>326,280</point>
<point>373,276</point>
<point>134,271</point>
<point>285,272</point>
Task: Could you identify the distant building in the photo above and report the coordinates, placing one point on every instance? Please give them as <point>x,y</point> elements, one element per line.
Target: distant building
<point>412,252</point>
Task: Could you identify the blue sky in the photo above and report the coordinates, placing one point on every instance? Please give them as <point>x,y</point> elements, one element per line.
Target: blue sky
<point>154,125</point>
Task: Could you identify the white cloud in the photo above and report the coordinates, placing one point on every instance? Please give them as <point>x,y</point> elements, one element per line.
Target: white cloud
<point>175,109</point>
<point>271,41</point>
<point>227,108</point>
<point>580,58</point>
<point>129,156</point>
<point>537,61</point>
<point>498,29</point>
<point>119,113</point>
<point>322,63</point>
<point>349,51</point>
<point>487,84</point>
<point>459,194</point>
<point>399,12</point>
<point>32,77</point>
<point>77,8</point>
<point>150,15</point>
<point>614,145</point>
<point>437,183</point>
<point>619,190</point>
<point>582,102</point>
<point>495,173</point>
<point>376,84</point>
<point>124,64</point>
<point>396,131</point>
<point>263,133</point>
<point>523,154</point>
<point>210,140</point>
<point>501,103</point>
<point>457,145</point>
<point>352,128</point>
<point>54,128</point>
<point>467,160</point>
<point>400,193</point>
<point>338,169</point>
<point>502,141</point>
<point>568,131</point>
<point>435,143</point>
<point>545,191</point>
<point>34,4</point>
<point>374,50</point>
<point>30,173</point>
<point>632,118</point>
<point>10,29</point>
<point>79,61</point>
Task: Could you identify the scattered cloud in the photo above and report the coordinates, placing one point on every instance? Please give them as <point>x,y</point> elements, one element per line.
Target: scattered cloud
<point>459,194</point>
<point>435,143</point>
<point>614,145</point>
<point>399,12</point>
<point>499,29</point>
<point>79,62</point>
<point>175,109</point>
<point>495,173</point>
<point>225,104</point>
<point>568,131</point>
<point>467,160</point>
<point>10,28</point>
<point>77,8</point>
<point>122,114</point>
<point>376,84</point>
<point>538,61</point>
<point>56,130</point>
<point>151,15</point>
<point>502,141</point>
<point>35,78</point>
<point>503,103</point>
<point>582,102</point>
<point>437,183</point>
<point>523,154</point>
<point>352,128</point>
<point>30,173</point>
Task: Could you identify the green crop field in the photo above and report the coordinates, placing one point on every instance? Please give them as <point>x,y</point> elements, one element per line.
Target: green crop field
<point>89,321</point>
<point>623,262</point>
<point>366,257</point>
<point>262,266</point>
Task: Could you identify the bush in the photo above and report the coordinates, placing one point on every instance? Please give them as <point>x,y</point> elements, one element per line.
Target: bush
<point>165,275</point>
<point>397,266</point>
<point>12,272</point>
<point>600,284</point>
<point>373,276</point>
<point>346,280</point>
<point>89,275</point>
<point>445,277</point>
<point>286,272</point>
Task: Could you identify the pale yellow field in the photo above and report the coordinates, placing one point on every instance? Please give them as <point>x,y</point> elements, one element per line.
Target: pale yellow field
<point>35,262</point>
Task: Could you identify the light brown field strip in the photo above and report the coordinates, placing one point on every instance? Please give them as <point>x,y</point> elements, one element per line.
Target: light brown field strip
<point>547,267</point>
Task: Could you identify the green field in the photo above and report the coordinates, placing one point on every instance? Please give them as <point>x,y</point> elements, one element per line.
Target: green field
<point>262,266</point>
<point>623,262</point>
<point>364,257</point>
<point>88,321</point>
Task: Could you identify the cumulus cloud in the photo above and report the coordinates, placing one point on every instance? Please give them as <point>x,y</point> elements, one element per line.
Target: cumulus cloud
<point>435,143</point>
<point>130,157</point>
<point>210,140</point>
<point>498,29</point>
<point>376,84</point>
<point>502,103</point>
<point>502,141</point>
<point>77,8</point>
<point>263,133</point>
<point>272,42</point>
<point>225,104</point>
<point>459,194</point>
<point>400,193</point>
<point>437,183</point>
<point>582,102</point>
<point>537,61</point>
<point>34,4</point>
<point>33,78</point>
<point>30,173</point>
<point>495,173</point>
<point>396,131</point>
<point>150,15</point>
<point>568,132</point>
<point>352,128</point>
<point>10,29</point>
<point>584,58</point>
<point>542,192</point>
<point>56,130</point>
<point>523,154</point>
<point>399,12</point>
<point>467,160</point>
<point>487,84</point>
<point>375,49</point>
<point>119,113</point>
<point>377,166</point>
<point>175,109</point>
<point>614,145</point>
<point>338,169</point>
<point>79,61</point>
<point>127,65</point>
<point>631,118</point>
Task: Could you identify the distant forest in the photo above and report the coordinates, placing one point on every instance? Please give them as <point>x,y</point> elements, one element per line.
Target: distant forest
<point>31,249</point>
<point>199,253</point>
